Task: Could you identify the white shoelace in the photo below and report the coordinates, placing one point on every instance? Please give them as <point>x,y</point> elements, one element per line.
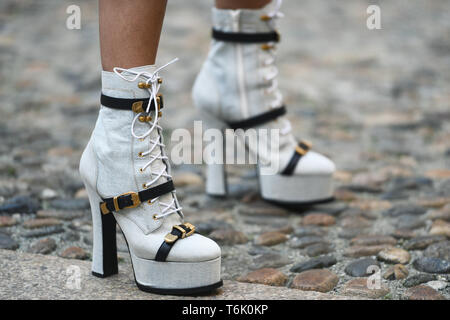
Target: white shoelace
<point>152,80</point>
<point>272,74</point>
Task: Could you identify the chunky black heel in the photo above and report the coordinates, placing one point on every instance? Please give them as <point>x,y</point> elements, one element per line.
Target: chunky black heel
<point>109,246</point>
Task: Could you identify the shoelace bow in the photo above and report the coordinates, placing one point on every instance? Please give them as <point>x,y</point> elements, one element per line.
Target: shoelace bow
<point>152,80</point>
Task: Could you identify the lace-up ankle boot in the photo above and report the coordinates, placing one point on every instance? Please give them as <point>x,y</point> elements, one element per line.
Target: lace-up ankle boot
<point>237,88</point>
<point>127,176</point>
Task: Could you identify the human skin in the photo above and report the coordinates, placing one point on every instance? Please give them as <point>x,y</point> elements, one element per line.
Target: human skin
<point>130,30</point>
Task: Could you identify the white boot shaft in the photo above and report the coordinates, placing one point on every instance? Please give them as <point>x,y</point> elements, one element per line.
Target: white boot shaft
<point>235,80</point>
<point>120,168</point>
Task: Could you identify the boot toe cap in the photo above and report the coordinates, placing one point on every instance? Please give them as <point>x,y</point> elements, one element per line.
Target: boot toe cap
<point>315,163</point>
<point>194,248</point>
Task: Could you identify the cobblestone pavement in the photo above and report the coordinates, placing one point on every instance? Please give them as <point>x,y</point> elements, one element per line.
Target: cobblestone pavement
<point>377,102</point>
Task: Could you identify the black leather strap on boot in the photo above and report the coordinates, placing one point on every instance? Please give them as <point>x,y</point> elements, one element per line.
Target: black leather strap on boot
<point>241,37</point>
<point>133,199</point>
<point>178,232</point>
<point>135,105</point>
<point>259,119</point>
<point>302,148</point>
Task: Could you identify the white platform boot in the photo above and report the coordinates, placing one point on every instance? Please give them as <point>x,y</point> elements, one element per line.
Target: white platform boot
<point>237,88</point>
<point>127,177</point>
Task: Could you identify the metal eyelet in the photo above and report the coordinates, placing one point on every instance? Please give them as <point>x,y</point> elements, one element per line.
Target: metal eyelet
<point>144,118</point>
<point>266,46</point>
<point>155,217</point>
<point>265,17</point>
<point>143,85</point>
<point>140,154</point>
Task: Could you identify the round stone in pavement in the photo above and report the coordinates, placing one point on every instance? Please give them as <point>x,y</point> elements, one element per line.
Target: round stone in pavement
<point>261,210</point>
<point>437,285</point>
<point>20,204</point>
<point>362,267</point>
<point>423,292</point>
<point>396,272</point>
<point>304,242</point>
<point>309,231</point>
<point>401,209</point>
<point>403,234</point>
<point>432,265</point>
<point>59,214</point>
<point>409,222</point>
<point>356,222</point>
<point>438,250</point>
<point>206,227</point>
<point>394,255</point>
<point>228,237</point>
<point>418,279</point>
<point>270,238</point>
<point>74,253</point>
<point>7,221</point>
<point>267,276</point>
<point>364,251</point>
<point>270,260</point>
<point>318,249</point>
<point>363,287</point>
<point>319,219</point>
<point>443,214</point>
<point>43,232</point>
<point>322,280</point>
<point>43,246</point>
<point>422,242</point>
<point>440,227</point>
<point>6,242</point>
<point>40,223</point>
<point>315,263</point>
<point>373,240</point>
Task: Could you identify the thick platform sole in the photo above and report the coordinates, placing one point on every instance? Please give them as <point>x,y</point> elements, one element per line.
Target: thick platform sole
<point>299,206</point>
<point>176,278</point>
<point>180,278</point>
<point>163,289</point>
<point>287,191</point>
<point>296,189</point>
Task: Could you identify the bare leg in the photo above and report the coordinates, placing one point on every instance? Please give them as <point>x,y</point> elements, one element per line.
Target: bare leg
<point>241,4</point>
<point>130,31</point>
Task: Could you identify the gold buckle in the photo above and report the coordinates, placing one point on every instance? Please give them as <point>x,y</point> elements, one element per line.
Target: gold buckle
<point>278,36</point>
<point>183,232</point>
<point>103,208</point>
<point>190,226</point>
<point>266,46</point>
<point>300,150</point>
<point>171,238</point>
<point>307,143</point>
<point>137,107</point>
<point>134,198</point>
